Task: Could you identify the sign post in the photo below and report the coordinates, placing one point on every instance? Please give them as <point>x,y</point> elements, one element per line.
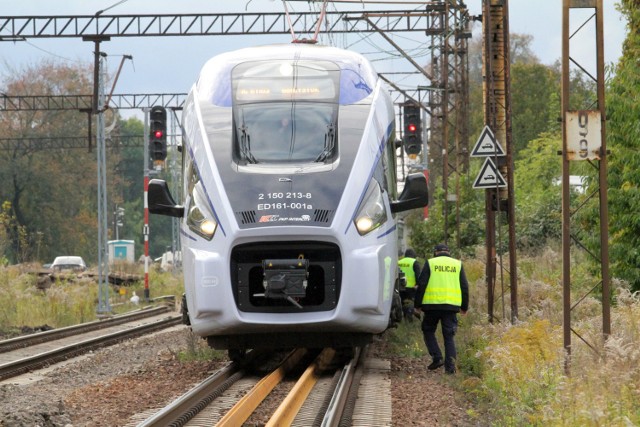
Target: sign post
<point>489,176</point>
<point>488,146</point>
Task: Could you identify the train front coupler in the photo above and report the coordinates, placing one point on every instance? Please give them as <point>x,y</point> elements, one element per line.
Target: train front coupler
<point>285,279</point>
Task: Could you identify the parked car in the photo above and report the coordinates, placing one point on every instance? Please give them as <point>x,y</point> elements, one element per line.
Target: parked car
<point>69,263</point>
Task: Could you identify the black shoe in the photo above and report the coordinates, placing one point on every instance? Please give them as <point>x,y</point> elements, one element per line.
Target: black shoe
<point>435,365</point>
<point>450,371</point>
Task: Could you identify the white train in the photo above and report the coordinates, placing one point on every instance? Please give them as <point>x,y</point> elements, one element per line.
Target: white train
<point>287,224</point>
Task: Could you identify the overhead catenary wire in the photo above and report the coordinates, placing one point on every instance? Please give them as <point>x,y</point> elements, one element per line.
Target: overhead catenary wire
<point>100,12</point>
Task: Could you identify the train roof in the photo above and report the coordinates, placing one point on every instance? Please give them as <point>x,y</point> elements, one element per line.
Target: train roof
<point>217,71</point>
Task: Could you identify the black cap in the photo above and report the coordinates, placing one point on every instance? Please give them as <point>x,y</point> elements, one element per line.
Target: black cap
<point>441,247</point>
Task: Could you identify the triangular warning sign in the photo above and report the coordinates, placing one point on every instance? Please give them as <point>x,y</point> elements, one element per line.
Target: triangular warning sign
<point>489,176</point>
<point>487,145</point>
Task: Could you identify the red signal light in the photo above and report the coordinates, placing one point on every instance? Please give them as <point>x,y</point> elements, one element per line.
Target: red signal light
<point>412,127</point>
<point>158,134</point>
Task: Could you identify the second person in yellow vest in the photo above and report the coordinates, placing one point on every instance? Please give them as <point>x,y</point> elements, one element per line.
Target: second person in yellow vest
<point>411,269</point>
<point>442,292</point>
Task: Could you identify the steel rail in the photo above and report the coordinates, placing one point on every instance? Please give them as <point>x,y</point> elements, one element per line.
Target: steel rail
<point>335,410</point>
<point>182,409</point>
<point>54,334</point>
<point>17,367</point>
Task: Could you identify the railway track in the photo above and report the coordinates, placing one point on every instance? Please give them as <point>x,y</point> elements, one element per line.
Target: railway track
<point>24,354</point>
<point>322,393</point>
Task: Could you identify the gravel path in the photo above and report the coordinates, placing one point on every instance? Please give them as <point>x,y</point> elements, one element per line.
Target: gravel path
<point>110,385</point>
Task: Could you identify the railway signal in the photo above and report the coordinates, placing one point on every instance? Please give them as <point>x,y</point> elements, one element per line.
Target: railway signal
<point>412,130</point>
<point>158,134</point>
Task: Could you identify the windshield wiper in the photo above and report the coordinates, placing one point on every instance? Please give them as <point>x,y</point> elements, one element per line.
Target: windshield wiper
<point>329,143</point>
<point>245,145</point>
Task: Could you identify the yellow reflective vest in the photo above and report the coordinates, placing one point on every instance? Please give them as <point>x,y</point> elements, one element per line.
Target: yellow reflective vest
<point>406,266</point>
<point>444,282</point>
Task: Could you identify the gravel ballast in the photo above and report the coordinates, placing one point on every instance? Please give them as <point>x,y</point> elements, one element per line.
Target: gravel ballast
<point>110,385</point>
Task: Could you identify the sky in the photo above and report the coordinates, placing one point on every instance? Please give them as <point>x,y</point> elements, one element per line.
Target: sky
<point>172,64</point>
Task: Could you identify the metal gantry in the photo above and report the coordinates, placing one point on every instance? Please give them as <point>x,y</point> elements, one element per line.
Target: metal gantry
<point>68,142</point>
<point>15,28</point>
<point>584,139</point>
<point>85,102</point>
<point>81,103</point>
<point>448,102</point>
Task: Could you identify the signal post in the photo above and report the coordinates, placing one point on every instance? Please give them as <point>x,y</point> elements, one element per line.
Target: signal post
<point>155,148</point>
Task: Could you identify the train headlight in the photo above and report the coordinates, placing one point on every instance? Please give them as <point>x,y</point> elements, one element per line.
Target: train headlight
<point>200,219</point>
<point>371,213</point>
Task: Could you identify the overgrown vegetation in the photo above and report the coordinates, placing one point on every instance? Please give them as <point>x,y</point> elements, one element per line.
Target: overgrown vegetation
<point>623,130</point>
<point>516,373</point>
<point>65,303</point>
<point>197,349</point>
<point>48,195</point>
<point>24,307</point>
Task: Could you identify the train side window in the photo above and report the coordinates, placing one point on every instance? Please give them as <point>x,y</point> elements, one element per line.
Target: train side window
<point>379,174</point>
<point>390,183</point>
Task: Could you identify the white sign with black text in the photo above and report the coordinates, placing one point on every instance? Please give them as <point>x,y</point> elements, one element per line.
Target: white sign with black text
<point>584,138</point>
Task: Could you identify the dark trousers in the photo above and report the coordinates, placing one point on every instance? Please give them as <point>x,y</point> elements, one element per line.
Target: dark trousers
<point>406,295</point>
<point>449,321</point>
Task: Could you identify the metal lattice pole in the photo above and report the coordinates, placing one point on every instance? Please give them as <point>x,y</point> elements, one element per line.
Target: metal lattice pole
<point>584,139</point>
<point>176,189</point>
<point>103,264</point>
<point>145,228</point>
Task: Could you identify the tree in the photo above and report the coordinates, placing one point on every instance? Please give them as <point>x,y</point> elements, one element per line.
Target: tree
<point>425,234</point>
<point>129,195</point>
<point>531,87</point>
<point>623,139</point>
<point>538,192</point>
<point>52,192</point>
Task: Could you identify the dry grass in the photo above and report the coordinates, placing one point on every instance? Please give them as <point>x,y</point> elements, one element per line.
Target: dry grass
<point>518,371</point>
<point>515,372</point>
<point>66,303</point>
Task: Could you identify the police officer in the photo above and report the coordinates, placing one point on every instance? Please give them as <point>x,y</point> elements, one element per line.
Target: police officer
<point>411,269</point>
<point>442,292</point>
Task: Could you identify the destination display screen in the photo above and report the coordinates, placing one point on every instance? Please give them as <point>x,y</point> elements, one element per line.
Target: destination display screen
<point>286,80</point>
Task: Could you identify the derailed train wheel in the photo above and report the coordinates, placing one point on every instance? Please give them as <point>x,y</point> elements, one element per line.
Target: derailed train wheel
<point>185,311</point>
<point>238,355</point>
<point>397,313</point>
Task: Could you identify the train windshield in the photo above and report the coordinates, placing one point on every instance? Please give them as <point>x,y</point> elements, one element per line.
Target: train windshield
<point>285,111</point>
